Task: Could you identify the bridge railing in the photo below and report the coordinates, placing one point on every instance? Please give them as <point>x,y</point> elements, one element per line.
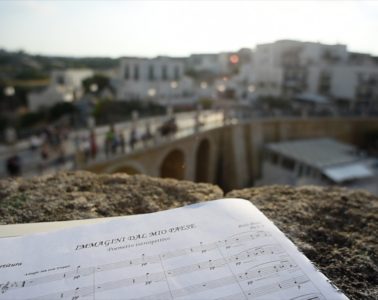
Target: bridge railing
<point>157,139</point>
<point>78,155</point>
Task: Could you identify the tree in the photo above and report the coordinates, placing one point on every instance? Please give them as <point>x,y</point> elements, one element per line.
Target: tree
<point>100,81</point>
<point>31,119</point>
<point>61,109</point>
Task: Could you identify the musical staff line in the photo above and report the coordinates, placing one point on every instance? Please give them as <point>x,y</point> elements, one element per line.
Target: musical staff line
<point>160,277</point>
<point>310,296</point>
<point>143,260</point>
<point>270,288</point>
<point>226,250</point>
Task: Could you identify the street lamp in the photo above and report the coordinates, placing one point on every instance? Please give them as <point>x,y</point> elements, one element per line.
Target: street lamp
<point>251,88</point>
<point>93,87</point>
<point>68,97</point>
<point>9,91</point>
<point>203,85</point>
<point>151,92</point>
<point>221,88</point>
<point>234,59</point>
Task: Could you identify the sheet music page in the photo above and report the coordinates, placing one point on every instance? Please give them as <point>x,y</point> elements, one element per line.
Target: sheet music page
<point>223,249</point>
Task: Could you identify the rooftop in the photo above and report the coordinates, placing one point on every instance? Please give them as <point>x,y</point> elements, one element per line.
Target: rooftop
<point>337,161</point>
<point>319,153</point>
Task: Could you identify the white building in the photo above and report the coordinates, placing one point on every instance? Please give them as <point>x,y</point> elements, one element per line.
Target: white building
<point>292,68</point>
<point>215,64</point>
<point>203,63</point>
<point>204,89</point>
<point>244,83</point>
<point>160,79</point>
<point>219,64</point>
<point>221,75</point>
<point>65,85</point>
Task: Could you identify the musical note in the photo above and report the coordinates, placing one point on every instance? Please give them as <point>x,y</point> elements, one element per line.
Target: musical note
<point>210,259</point>
<point>4,287</point>
<point>209,264</point>
<point>149,278</point>
<point>268,289</point>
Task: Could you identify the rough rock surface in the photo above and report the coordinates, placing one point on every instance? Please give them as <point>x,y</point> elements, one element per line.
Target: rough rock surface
<point>84,195</point>
<point>336,229</point>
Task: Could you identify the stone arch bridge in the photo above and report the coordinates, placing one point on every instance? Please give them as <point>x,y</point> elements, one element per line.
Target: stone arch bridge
<point>230,156</point>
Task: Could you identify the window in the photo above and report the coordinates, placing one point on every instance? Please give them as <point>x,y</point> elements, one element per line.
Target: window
<point>197,60</point>
<point>324,83</point>
<point>127,72</point>
<point>151,73</point>
<point>164,74</point>
<point>136,72</point>
<point>288,163</point>
<point>177,73</point>
<point>60,80</point>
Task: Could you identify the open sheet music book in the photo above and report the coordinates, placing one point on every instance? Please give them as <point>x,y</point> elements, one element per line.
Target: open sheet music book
<point>223,249</point>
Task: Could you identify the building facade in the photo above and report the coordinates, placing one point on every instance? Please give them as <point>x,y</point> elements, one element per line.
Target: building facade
<point>65,86</point>
<point>291,68</point>
<point>288,69</point>
<point>219,64</point>
<point>160,79</point>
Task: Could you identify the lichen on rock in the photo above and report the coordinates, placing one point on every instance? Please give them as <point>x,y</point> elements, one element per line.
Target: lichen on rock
<point>336,228</point>
<point>84,195</point>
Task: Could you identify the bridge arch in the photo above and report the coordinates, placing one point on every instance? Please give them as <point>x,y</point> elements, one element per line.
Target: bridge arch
<point>126,169</point>
<point>173,165</point>
<point>129,167</point>
<point>202,161</point>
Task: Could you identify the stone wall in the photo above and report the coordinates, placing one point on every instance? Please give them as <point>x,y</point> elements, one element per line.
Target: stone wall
<point>235,151</point>
<point>336,228</point>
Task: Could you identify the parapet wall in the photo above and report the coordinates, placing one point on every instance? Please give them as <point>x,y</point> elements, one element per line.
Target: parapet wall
<point>336,228</point>
<point>233,156</point>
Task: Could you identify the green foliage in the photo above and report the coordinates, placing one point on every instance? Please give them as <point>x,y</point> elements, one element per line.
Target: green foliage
<point>21,65</point>
<point>274,103</point>
<point>101,81</point>
<point>99,108</point>
<point>97,63</point>
<point>61,109</point>
<point>201,75</point>
<point>3,123</point>
<point>17,201</point>
<point>40,118</point>
<point>31,119</point>
<point>30,74</point>
<point>107,111</point>
<point>206,103</point>
<point>192,73</point>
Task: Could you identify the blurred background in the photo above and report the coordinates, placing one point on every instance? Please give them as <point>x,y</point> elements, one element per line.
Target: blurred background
<point>236,93</point>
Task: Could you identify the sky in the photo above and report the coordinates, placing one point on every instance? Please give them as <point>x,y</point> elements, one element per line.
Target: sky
<point>180,28</point>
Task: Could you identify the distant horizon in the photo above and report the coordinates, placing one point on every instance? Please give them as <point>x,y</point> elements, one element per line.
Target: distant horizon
<point>116,29</point>
<point>174,56</point>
